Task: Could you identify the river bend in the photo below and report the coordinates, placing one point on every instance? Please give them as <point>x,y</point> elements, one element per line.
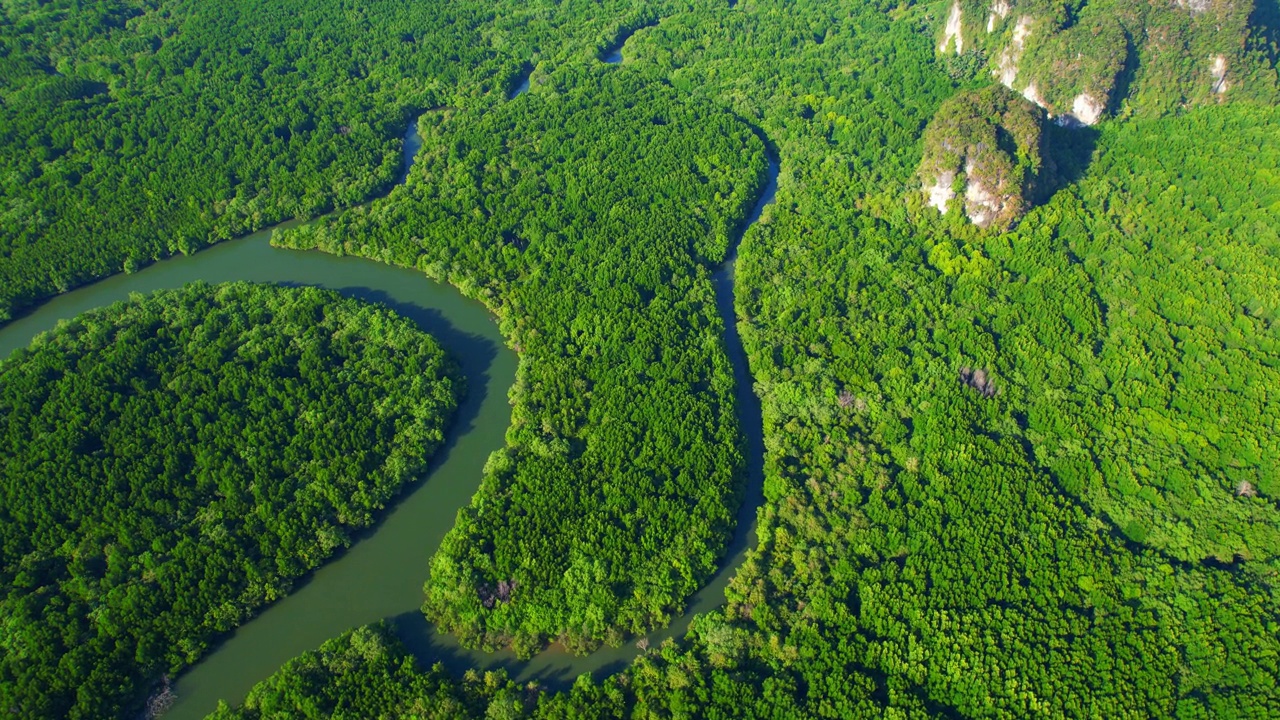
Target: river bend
<point>381,575</point>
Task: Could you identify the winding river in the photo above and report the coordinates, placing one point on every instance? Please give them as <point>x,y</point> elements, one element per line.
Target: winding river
<point>381,575</point>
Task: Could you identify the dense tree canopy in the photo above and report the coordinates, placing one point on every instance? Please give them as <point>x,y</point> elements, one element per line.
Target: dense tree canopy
<point>131,130</point>
<point>1009,472</point>
<point>1004,470</point>
<point>173,463</point>
<point>586,213</point>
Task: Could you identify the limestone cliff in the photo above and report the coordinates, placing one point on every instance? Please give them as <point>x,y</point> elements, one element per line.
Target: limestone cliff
<point>983,147</point>
<point>1080,59</point>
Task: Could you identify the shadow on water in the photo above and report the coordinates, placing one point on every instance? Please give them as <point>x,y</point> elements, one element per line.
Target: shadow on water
<point>412,143</point>
<point>474,353</point>
<point>521,85</point>
<point>749,411</point>
<point>612,53</point>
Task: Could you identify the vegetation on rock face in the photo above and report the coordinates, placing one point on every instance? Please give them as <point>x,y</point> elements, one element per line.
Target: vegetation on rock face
<point>1080,60</point>
<point>587,214</point>
<point>986,143</point>
<point>171,464</point>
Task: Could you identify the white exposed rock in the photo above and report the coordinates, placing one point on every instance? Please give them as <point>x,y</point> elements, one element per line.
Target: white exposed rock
<point>953,30</point>
<point>1195,6</point>
<point>1033,95</point>
<point>1218,71</point>
<point>1007,69</point>
<point>991,22</point>
<point>980,205</point>
<point>1085,110</point>
<point>1001,8</point>
<point>1021,32</point>
<point>941,193</point>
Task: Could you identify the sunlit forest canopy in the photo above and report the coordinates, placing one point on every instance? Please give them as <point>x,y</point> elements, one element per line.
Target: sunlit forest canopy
<point>172,463</point>
<point>131,130</point>
<point>1019,455</point>
<point>587,215</point>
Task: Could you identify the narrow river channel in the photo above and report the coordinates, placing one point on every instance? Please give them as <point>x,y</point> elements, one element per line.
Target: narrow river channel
<point>382,574</point>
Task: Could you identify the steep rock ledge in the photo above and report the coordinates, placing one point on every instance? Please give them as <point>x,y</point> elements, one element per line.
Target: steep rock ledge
<point>1079,61</point>
<point>984,144</point>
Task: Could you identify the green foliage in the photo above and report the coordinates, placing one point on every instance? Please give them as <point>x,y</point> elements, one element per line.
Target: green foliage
<point>132,130</point>
<point>1163,425</point>
<point>171,464</point>
<point>1004,470</point>
<point>926,549</point>
<point>586,214</point>
<point>366,673</point>
<point>988,141</point>
<point>1144,58</point>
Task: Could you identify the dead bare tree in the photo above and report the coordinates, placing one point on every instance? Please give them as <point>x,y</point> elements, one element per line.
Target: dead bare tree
<point>978,380</point>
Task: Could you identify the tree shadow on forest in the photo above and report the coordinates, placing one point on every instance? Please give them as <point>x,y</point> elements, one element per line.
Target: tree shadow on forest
<point>1128,73</point>
<point>1067,153</point>
<point>1265,21</point>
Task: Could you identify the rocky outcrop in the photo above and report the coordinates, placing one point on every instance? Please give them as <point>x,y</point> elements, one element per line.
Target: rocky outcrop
<point>1085,110</point>
<point>989,141</point>
<point>1070,57</point>
<point>981,205</point>
<point>954,31</point>
<point>1033,96</point>
<point>1218,74</point>
<point>940,193</point>
<point>1000,10</point>
<point>1007,68</point>
<point>979,380</point>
